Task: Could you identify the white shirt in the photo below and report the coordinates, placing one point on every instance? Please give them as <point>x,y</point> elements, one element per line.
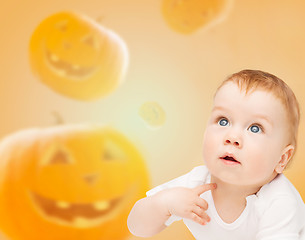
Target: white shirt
<point>276,211</point>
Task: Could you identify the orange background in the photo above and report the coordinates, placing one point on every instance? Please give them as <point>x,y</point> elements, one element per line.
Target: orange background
<point>180,72</point>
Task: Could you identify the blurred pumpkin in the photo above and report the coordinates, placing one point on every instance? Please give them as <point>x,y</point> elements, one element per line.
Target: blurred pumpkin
<point>187,16</point>
<point>77,57</point>
<point>153,114</point>
<point>69,182</point>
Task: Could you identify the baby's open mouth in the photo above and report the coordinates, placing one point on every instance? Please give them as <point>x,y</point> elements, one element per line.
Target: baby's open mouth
<point>229,159</point>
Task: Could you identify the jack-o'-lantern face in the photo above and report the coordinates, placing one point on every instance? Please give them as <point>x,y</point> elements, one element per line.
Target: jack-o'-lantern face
<point>64,46</point>
<point>153,114</point>
<point>71,183</point>
<point>187,16</point>
<point>77,57</point>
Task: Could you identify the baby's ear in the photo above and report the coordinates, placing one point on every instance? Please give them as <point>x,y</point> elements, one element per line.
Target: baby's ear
<point>285,158</point>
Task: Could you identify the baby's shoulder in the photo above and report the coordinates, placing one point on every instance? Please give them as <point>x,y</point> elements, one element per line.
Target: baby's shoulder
<point>279,204</point>
<point>199,173</point>
<point>279,191</point>
<point>197,176</point>
<point>278,187</point>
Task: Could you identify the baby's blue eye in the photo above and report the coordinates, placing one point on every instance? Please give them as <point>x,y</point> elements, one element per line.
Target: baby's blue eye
<point>223,122</point>
<point>255,129</point>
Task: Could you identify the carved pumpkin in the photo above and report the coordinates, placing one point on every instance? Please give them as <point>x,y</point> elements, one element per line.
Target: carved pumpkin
<point>187,16</point>
<point>77,57</point>
<point>153,114</point>
<point>69,182</point>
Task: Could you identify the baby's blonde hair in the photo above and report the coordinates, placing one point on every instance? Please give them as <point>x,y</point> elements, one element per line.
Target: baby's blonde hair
<point>251,80</point>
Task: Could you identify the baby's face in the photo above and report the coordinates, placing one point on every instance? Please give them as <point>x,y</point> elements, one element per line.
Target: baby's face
<point>245,136</point>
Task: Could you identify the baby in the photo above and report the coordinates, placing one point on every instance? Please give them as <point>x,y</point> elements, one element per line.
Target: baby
<point>240,193</point>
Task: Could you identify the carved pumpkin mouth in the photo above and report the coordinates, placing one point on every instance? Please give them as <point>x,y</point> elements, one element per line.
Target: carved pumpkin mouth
<point>65,69</point>
<point>79,215</point>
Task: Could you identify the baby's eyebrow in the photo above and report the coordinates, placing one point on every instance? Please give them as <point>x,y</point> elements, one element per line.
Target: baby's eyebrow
<point>264,118</point>
<point>218,108</point>
<point>259,116</point>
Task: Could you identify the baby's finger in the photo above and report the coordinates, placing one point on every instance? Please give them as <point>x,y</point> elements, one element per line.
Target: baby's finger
<point>202,203</point>
<point>205,187</point>
<point>201,213</point>
<point>197,219</point>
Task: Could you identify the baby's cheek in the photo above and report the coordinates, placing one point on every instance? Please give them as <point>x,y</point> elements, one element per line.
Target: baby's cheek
<point>260,168</point>
<point>210,144</point>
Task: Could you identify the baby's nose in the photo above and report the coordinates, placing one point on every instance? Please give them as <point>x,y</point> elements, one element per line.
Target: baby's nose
<point>234,139</point>
<point>235,143</point>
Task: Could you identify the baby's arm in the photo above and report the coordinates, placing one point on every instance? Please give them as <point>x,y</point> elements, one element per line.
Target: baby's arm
<point>148,216</point>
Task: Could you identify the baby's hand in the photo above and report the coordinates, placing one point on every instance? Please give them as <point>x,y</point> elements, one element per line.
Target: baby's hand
<point>187,203</point>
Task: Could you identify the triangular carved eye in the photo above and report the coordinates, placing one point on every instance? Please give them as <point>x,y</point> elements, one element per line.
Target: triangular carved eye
<point>90,41</point>
<point>55,154</point>
<point>113,151</point>
<point>108,156</point>
<point>60,157</point>
<point>62,25</point>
